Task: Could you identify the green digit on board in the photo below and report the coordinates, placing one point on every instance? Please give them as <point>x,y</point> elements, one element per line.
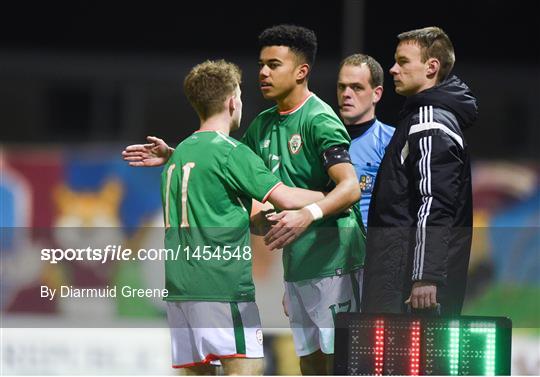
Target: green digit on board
<point>454,347</point>
<point>487,329</point>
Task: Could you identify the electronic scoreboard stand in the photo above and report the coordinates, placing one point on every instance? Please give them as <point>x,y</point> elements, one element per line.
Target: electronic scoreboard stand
<point>394,344</point>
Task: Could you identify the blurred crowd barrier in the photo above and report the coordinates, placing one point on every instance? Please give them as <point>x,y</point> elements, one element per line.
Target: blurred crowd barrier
<point>87,196</point>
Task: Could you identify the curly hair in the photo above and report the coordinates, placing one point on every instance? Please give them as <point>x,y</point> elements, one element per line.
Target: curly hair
<point>302,41</point>
<point>208,84</point>
<point>434,43</point>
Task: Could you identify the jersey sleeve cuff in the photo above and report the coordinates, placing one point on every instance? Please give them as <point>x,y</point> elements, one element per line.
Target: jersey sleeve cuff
<point>265,198</point>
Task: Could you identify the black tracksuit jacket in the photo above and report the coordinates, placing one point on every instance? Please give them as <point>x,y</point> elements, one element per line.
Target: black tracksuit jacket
<point>420,215</point>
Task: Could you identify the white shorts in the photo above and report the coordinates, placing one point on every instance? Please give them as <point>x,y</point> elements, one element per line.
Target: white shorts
<point>203,332</point>
<point>313,304</point>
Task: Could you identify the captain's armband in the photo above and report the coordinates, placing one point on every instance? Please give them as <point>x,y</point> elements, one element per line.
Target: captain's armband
<point>335,155</point>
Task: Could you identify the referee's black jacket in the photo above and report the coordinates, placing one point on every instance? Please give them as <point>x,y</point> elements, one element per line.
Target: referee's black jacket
<point>420,215</point>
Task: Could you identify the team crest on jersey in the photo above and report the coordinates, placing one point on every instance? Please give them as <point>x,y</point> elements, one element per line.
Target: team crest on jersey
<point>295,143</point>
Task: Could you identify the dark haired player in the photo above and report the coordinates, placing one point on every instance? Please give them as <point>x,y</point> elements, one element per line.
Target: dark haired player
<point>303,142</point>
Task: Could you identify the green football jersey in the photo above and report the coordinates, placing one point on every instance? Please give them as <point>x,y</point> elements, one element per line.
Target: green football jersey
<point>291,145</point>
<point>206,189</point>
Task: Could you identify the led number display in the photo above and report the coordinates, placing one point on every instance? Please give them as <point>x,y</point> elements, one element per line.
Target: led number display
<point>388,344</point>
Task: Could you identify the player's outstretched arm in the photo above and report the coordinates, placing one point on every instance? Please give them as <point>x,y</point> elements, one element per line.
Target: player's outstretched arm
<point>285,197</point>
<point>155,153</point>
<point>345,194</point>
<point>291,224</point>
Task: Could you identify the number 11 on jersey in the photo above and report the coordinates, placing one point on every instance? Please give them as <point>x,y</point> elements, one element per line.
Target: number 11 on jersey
<point>186,170</point>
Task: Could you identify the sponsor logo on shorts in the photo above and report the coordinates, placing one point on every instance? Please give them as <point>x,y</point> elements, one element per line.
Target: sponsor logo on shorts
<point>259,336</point>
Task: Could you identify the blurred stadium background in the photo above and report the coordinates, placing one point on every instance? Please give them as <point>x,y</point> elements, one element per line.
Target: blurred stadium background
<point>80,80</point>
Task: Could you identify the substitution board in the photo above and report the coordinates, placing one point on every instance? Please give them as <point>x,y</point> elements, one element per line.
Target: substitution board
<point>390,344</point>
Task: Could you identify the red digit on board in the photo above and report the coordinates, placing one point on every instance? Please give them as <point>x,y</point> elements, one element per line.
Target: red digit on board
<point>415,349</point>
<point>379,347</point>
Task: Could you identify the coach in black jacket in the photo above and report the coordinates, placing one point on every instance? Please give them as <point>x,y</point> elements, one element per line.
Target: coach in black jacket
<point>420,217</point>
